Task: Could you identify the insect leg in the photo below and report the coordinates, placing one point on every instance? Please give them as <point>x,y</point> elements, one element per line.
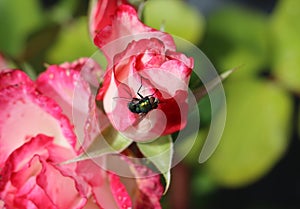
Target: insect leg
<point>138,91</point>
<point>154,92</point>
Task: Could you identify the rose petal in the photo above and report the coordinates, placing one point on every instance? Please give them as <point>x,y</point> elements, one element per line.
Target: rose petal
<point>178,69</point>
<point>115,104</point>
<point>98,180</point>
<point>2,204</point>
<point>119,191</point>
<point>176,111</point>
<point>101,14</point>
<point>189,62</point>
<point>67,84</point>
<point>18,159</point>
<point>30,196</point>
<point>125,28</point>
<point>96,122</point>
<point>152,52</point>
<point>29,113</point>
<point>141,54</point>
<point>89,69</point>
<point>168,78</point>
<point>60,189</point>
<point>32,178</point>
<point>125,22</point>
<point>91,204</point>
<point>148,127</point>
<point>148,189</point>
<point>70,85</point>
<point>18,179</point>
<point>13,78</point>
<point>59,83</point>
<point>29,166</point>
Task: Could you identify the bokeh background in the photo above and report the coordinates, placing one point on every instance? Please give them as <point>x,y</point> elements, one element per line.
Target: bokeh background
<point>256,165</point>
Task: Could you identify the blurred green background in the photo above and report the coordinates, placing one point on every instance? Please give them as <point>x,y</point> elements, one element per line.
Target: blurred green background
<point>256,164</point>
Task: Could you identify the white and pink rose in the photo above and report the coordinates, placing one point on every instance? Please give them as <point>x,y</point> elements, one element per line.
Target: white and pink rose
<point>141,58</point>
<point>37,135</point>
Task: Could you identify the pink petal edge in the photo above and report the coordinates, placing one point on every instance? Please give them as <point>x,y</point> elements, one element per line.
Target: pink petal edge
<point>22,107</point>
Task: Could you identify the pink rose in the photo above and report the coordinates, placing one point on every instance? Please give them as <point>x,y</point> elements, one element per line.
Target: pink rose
<point>34,137</point>
<point>147,68</point>
<point>36,134</point>
<point>142,64</point>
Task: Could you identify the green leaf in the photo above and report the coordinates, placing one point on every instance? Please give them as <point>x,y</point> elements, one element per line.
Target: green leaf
<point>160,153</point>
<point>73,42</point>
<point>63,11</point>
<point>237,36</point>
<point>203,183</point>
<point>17,21</point>
<point>175,17</point>
<point>256,134</point>
<point>109,141</point>
<point>286,29</point>
<point>37,45</point>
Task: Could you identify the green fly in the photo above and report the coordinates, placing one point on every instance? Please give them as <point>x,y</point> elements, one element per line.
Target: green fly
<point>144,104</point>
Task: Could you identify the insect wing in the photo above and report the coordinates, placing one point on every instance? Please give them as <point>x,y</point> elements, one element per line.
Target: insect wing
<point>135,100</point>
<point>122,98</point>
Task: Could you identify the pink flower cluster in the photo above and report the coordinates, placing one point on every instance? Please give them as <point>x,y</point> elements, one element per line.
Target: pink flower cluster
<point>42,126</point>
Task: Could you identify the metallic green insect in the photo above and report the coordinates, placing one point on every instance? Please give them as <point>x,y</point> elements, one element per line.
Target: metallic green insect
<point>144,104</point>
